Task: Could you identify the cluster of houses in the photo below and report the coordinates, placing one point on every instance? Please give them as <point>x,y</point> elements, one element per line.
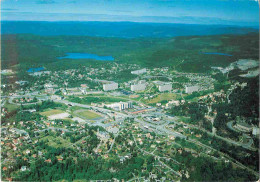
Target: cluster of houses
<point>24,100</point>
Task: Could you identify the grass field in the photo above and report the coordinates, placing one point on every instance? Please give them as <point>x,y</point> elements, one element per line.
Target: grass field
<point>184,119</point>
<point>52,112</point>
<point>88,114</point>
<point>163,97</point>
<point>74,108</point>
<point>11,107</point>
<point>56,141</point>
<point>95,99</point>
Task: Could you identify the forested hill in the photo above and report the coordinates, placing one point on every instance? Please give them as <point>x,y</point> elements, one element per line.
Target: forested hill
<point>182,53</point>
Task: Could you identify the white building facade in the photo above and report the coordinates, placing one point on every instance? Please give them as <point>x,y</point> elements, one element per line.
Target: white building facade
<point>138,72</point>
<point>165,87</point>
<point>110,86</point>
<point>138,87</point>
<point>121,105</point>
<point>190,89</point>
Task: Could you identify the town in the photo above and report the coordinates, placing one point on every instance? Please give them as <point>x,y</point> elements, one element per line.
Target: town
<point>140,123</point>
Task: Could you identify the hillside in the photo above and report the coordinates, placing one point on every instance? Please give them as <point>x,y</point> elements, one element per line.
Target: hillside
<point>181,53</point>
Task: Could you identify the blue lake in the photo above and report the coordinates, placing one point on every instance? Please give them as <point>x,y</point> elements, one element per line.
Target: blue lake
<point>86,56</point>
<point>31,70</point>
<point>217,53</point>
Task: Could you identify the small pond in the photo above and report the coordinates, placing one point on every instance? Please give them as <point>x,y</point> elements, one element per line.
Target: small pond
<point>86,56</point>
<point>217,53</point>
<point>31,70</point>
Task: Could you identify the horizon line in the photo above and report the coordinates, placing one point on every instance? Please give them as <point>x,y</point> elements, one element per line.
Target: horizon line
<point>138,22</point>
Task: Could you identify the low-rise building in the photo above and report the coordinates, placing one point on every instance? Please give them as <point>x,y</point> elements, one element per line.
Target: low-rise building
<point>138,72</point>
<point>39,73</point>
<point>21,82</point>
<point>255,131</point>
<point>23,168</point>
<point>56,97</point>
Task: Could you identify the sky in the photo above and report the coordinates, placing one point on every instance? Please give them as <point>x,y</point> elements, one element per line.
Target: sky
<point>230,12</point>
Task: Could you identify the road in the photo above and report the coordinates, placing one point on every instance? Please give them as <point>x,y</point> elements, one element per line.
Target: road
<point>111,146</point>
<point>247,145</point>
<point>161,128</point>
<point>250,140</point>
<point>53,128</point>
<point>42,98</point>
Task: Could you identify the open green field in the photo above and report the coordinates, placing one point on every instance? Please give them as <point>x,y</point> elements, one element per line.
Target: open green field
<point>51,112</point>
<point>88,114</point>
<point>183,119</point>
<point>56,141</point>
<point>92,99</point>
<point>164,97</point>
<point>11,107</point>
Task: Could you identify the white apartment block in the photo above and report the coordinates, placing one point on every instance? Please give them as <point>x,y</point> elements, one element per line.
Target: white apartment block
<point>138,87</point>
<point>121,105</point>
<point>138,72</point>
<point>110,86</point>
<point>165,87</point>
<point>190,89</point>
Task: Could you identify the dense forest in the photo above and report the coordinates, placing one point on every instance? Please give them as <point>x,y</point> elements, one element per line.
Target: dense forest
<point>181,53</point>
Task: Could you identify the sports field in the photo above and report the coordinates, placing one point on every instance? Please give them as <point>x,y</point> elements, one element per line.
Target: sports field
<point>88,114</point>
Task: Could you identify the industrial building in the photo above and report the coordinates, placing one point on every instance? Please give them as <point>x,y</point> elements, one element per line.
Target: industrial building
<point>140,86</point>
<point>110,86</point>
<point>138,72</point>
<point>190,89</point>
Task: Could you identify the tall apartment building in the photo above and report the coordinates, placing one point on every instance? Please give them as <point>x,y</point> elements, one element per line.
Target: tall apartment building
<point>121,105</point>
<point>110,86</point>
<point>140,86</point>
<point>165,87</point>
<point>190,89</point>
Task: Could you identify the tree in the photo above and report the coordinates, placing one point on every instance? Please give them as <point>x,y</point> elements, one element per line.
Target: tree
<point>220,120</point>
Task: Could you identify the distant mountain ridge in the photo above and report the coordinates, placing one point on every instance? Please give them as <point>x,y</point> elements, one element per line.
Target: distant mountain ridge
<point>119,29</point>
